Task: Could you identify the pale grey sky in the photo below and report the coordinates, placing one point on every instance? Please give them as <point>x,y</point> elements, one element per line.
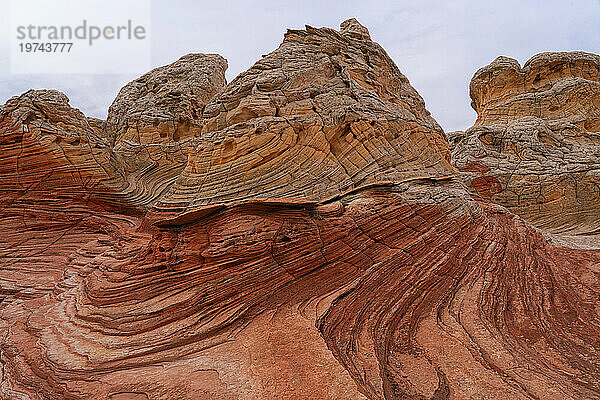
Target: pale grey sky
<point>438,45</point>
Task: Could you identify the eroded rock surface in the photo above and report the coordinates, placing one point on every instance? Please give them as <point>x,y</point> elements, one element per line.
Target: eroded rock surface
<point>166,104</point>
<point>309,240</point>
<point>535,147</point>
<point>324,114</point>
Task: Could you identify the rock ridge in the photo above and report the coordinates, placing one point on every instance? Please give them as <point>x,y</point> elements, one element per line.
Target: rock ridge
<point>305,231</point>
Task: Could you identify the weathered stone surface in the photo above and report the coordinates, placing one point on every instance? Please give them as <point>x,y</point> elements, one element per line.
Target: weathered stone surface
<point>535,147</point>
<point>311,242</point>
<point>551,86</point>
<point>166,104</point>
<point>51,148</point>
<point>324,114</point>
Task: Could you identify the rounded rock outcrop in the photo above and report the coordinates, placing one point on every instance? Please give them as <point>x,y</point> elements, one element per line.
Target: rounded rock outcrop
<point>535,147</point>
<point>166,104</point>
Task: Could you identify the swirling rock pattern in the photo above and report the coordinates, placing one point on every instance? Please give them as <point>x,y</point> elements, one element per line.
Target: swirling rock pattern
<point>326,113</point>
<point>309,240</point>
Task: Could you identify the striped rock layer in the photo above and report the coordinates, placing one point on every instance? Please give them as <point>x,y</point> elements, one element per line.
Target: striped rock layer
<point>298,233</point>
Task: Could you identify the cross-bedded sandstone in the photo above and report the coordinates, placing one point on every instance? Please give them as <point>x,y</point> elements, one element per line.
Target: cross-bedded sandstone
<point>306,239</point>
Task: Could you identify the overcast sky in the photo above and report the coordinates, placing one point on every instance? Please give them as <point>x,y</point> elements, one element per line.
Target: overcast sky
<point>438,45</point>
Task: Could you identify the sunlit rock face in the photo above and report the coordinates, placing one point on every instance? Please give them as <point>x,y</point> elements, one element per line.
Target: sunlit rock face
<point>298,233</point>
<point>535,147</point>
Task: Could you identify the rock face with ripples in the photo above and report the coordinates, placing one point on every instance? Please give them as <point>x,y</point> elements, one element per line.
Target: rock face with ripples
<point>302,233</point>
<point>326,113</point>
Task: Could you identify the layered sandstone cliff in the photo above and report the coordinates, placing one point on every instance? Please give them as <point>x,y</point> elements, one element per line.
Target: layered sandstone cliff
<point>301,233</point>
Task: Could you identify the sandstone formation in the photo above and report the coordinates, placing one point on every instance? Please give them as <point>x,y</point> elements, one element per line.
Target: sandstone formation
<point>301,233</point>
<point>326,113</point>
<point>166,104</point>
<point>535,147</point>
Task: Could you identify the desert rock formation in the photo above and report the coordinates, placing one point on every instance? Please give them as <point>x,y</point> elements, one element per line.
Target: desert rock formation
<point>324,114</point>
<point>302,232</point>
<point>535,147</point>
<point>166,104</point>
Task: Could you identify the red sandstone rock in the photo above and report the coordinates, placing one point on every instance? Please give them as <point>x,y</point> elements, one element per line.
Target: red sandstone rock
<point>312,241</point>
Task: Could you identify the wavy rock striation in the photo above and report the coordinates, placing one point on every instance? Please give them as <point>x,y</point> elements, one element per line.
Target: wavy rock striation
<point>298,233</point>
<point>326,113</point>
<point>166,104</point>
